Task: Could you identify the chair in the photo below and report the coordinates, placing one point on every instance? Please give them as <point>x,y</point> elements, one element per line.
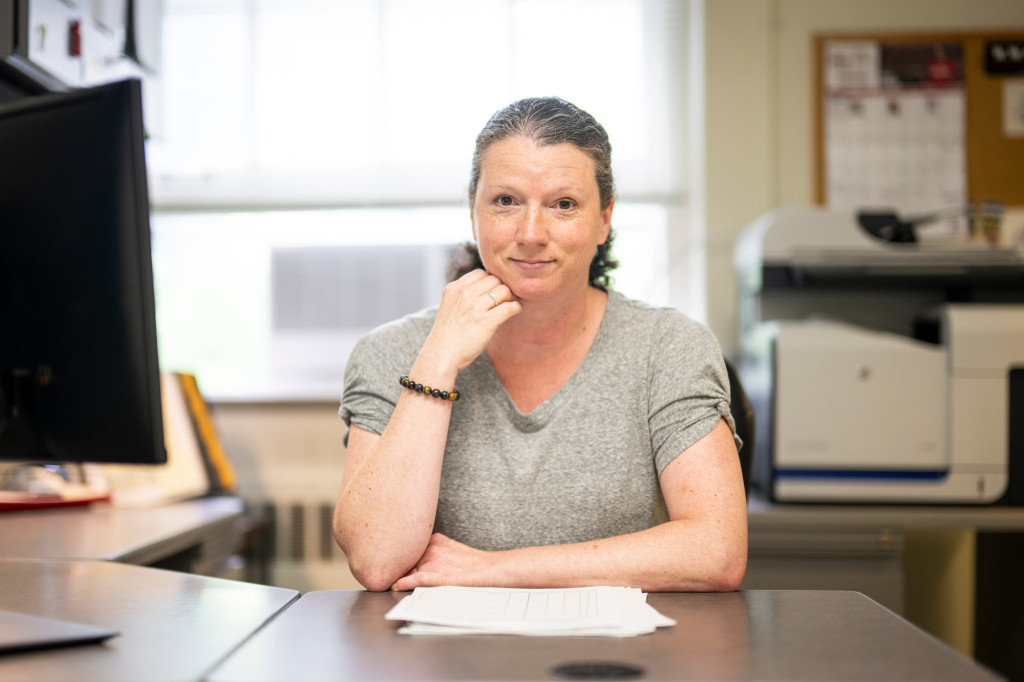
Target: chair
<point>743,415</point>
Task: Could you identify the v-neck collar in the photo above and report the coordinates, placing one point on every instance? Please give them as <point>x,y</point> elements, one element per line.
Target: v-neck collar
<point>541,415</point>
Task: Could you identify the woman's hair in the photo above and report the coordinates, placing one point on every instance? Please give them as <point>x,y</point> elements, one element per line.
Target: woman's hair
<point>547,121</point>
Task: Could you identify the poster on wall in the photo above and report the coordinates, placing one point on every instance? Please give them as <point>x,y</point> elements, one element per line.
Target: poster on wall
<point>894,130</point>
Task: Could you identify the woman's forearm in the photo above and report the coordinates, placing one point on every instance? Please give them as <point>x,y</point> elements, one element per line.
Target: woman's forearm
<point>703,547</point>
<point>385,511</point>
<point>678,556</point>
<point>682,555</point>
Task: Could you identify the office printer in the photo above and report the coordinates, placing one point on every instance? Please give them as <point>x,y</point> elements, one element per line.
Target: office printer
<point>880,371</point>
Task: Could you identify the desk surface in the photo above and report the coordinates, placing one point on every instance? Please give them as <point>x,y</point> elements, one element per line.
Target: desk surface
<point>763,635</point>
<point>174,626</point>
<point>134,536</point>
<point>765,515</point>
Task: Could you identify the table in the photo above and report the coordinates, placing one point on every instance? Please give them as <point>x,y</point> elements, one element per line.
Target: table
<point>763,635</point>
<point>195,536</point>
<point>767,515</point>
<point>952,569</point>
<point>852,547</point>
<point>174,626</point>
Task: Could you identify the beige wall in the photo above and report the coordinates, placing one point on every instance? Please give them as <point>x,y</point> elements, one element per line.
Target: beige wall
<point>758,109</point>
<point>291,455</point>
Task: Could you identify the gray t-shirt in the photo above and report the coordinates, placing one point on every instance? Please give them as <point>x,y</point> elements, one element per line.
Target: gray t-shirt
<point>585,463</point>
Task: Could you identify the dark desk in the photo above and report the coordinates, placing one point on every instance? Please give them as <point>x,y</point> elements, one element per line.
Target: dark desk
<point>174,626</point>
<point>762,635</point>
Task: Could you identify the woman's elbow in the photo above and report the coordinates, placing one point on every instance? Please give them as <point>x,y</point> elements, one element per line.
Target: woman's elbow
<point>732,567</point>
<point>369,568</point>
<point>377,564</point>
<point>364,566</point>
<point>373,578</point>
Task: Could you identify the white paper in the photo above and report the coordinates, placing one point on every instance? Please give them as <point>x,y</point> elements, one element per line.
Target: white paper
<point>109,13</point>
<point>594,611</point>
<point>852,64</point>
<point>1013,107</point>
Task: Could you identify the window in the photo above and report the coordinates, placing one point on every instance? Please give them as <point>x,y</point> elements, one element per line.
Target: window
<point>294,135</point>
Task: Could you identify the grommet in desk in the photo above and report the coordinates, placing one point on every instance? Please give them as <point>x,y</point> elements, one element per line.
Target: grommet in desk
<point>596,670</point>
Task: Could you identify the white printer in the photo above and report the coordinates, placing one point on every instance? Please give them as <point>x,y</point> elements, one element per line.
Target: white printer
<point>880,371</point>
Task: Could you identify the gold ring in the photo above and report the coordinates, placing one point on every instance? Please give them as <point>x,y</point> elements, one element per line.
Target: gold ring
<point>493,297</point>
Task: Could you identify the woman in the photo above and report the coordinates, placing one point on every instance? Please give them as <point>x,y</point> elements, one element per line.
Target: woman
<point>588,440</point>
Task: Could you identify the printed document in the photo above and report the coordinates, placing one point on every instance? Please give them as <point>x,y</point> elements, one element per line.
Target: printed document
<point>603,611</point>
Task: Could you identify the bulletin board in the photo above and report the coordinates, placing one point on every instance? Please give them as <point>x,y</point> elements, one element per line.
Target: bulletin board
<point>941,113</point>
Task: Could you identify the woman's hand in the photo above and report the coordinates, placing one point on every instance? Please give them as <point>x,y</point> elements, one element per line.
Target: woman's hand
<point>468,317</point>
<point>447,562</point>
<point>388,502</point>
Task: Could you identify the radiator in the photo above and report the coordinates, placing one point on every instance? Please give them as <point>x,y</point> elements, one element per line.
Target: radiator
<point>292,545</point>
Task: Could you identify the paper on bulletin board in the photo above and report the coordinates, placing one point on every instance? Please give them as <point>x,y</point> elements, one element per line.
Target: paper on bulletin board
<point>895,130</point>
<point>1013,107</point>
<point>852,65</point>
<point>109,13</point>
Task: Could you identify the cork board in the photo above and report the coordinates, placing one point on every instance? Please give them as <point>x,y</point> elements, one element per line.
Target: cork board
<point>993,149</point>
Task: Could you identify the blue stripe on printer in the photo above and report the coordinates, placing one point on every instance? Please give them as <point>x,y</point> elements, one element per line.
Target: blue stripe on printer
<point>848,474</point>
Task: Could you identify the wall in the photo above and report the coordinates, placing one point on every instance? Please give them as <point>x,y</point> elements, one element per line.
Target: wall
<point>737,161</point>
<point>758,107</point>
<point>756,142</point>
<point>290,456</point>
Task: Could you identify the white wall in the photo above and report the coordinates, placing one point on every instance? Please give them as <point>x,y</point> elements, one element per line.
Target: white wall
<point>758,108</point>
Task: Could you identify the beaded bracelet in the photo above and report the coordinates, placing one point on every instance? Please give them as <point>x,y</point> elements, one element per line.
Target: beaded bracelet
<point>427,390</point>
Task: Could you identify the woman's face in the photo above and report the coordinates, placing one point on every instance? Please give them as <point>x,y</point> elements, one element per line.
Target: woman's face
<point>537,217</point>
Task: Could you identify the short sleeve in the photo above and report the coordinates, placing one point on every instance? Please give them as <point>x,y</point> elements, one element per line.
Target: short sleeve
<point>371,374</point>
<point>688,387</point>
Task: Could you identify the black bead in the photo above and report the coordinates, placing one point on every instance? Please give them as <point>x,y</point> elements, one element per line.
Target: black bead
<point>436,393</point>
<point>443,395</point>
<point>419,388</point>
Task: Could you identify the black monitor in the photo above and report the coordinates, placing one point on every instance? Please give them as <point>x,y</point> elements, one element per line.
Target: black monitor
<point>79,375</point>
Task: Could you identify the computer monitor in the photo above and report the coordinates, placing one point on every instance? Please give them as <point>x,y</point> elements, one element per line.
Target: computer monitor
<point>79,374</point>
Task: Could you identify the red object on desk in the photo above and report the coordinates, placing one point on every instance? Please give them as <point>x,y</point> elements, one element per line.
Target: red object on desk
<point>75,38</point>
<point>15,501</point>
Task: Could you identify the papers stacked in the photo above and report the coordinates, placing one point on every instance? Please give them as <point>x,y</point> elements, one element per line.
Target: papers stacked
<point>603,611</point>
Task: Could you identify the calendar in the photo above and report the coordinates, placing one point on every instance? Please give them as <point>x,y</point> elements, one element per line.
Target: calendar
<point>894,129</point>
